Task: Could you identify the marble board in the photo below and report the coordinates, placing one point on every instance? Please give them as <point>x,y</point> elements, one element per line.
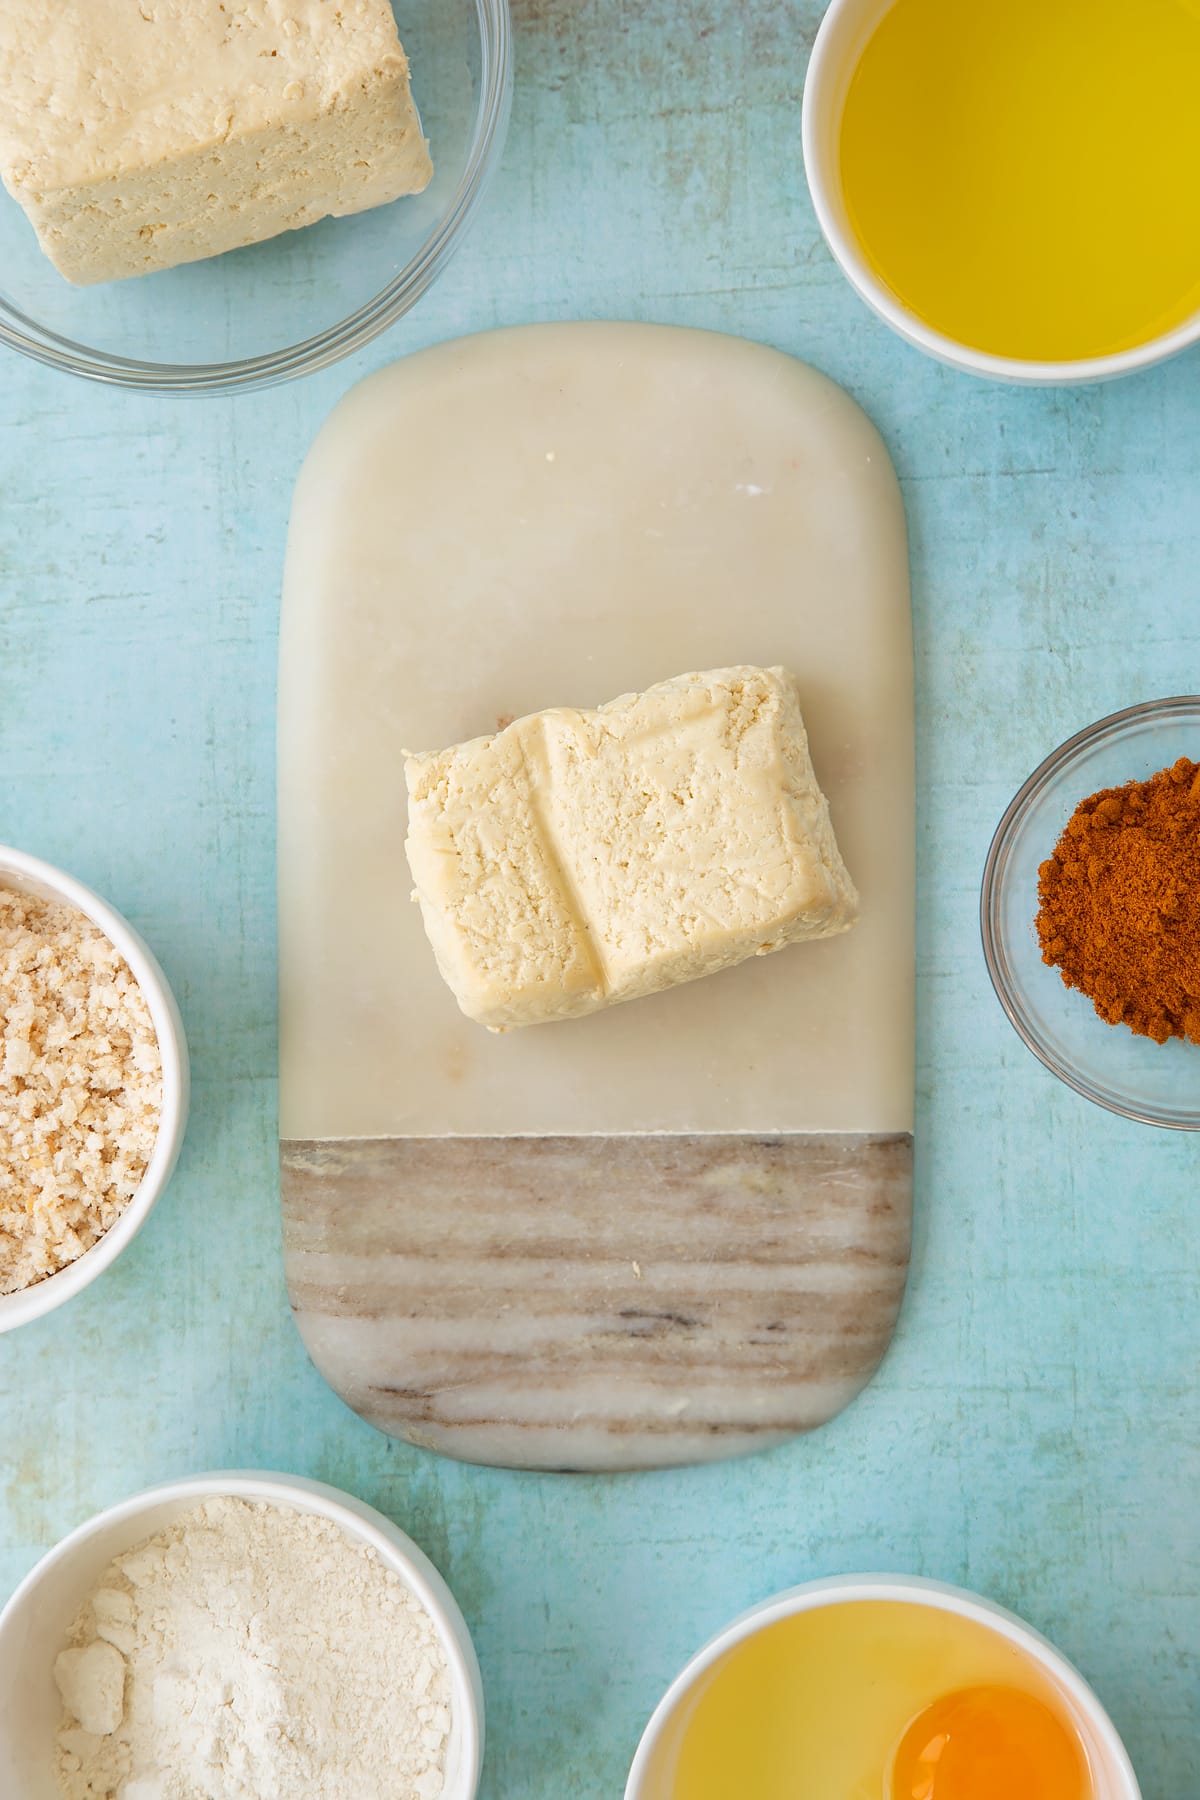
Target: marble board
<point>677,1230</point>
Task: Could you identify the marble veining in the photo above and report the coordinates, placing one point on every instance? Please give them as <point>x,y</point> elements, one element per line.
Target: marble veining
<point>597,1302</point>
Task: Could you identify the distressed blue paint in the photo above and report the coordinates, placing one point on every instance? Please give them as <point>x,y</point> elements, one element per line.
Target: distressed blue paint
<point>1035,1432</point>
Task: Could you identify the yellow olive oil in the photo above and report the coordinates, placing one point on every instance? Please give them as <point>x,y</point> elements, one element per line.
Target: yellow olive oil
<point>818,1706</point>
<point>1024,175</point>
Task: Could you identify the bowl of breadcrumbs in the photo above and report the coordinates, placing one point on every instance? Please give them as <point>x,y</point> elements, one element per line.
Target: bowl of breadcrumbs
<point>93,1086</point>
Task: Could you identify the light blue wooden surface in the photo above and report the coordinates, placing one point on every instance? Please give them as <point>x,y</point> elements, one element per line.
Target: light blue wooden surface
<point>1035,1432</point>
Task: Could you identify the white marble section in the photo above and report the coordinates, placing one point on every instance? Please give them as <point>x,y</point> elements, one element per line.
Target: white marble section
<point>554,516</point>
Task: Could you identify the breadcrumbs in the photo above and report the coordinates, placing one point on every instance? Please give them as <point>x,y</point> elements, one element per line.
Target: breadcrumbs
<point>80,1087</point>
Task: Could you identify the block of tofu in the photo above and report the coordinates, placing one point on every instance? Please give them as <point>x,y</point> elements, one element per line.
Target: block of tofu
<point>577,859</point>
<point>138,134</point>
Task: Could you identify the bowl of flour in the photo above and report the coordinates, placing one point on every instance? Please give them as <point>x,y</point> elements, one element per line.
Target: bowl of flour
<point>238,1637</point>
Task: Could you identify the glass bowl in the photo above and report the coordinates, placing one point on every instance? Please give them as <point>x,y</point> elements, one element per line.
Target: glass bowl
<point>1156,1084</point>
<point>303,300</point>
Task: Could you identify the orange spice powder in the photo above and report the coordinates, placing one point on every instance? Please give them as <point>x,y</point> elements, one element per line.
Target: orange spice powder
<point>1119,912</point>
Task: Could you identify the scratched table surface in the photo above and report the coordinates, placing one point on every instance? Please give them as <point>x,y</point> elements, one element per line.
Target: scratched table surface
<point>1035,1431</point>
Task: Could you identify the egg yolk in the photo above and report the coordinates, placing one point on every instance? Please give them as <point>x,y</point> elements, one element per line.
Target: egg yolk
<point>989,1743</point>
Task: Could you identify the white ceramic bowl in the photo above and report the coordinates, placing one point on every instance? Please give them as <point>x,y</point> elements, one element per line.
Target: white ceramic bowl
<point>840,42</point>
<point>651,1777</point>
<point>34,1624</point>
<point>29,875</point>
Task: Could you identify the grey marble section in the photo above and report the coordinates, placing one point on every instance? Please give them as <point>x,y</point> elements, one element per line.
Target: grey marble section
<point>597,1302</point>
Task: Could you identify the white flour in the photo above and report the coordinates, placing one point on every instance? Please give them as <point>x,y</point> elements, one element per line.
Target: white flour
<point>266,1657</point>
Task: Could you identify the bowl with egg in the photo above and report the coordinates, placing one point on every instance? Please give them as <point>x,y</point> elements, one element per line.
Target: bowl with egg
<point>1008,185</point>
<point>93,1086</point>
<point>252,192</point>
<point>886,1686</point>
<point>240,1633</point>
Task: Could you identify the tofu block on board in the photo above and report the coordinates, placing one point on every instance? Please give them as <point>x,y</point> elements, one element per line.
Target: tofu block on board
<point>138,134</point>
<point>576,859</point>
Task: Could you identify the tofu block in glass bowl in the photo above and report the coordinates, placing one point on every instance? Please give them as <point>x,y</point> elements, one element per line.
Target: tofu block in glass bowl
<point>294,302</point>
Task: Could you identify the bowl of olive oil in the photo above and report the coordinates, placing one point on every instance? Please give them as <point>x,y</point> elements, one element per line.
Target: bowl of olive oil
<point>1012,185</point>
<point>880,1687</point>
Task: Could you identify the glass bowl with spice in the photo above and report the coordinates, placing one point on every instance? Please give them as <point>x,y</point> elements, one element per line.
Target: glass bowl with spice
<point>1090,912</point>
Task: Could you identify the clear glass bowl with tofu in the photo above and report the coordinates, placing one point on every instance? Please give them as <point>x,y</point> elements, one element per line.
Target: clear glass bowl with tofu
<point>301,300</point>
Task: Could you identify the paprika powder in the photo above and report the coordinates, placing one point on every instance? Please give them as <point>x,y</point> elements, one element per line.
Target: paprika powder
<point>1119,912</point>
